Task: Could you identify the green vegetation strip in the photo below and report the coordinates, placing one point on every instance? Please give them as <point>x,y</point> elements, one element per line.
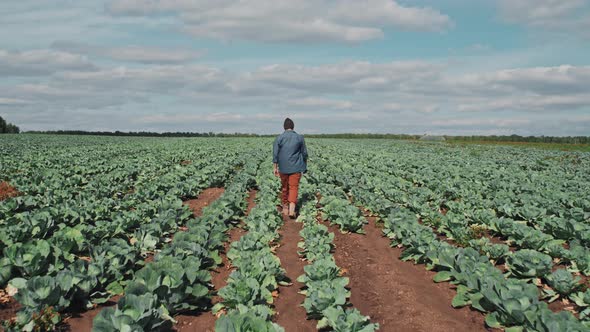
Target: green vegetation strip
<point>384,195</point>
<point>86,248</point>
<point>247,299</point>
<point>510,303</point>
<point>326,295</point>
<point>92,207</point>
<point>179,278</point>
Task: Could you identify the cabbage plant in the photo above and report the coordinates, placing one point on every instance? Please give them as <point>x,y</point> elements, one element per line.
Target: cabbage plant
<point>563,284</point>
<point>527,264</point>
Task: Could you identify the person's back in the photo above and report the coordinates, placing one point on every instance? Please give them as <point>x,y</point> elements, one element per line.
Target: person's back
<point>290,161</point>
<point>292,153</point>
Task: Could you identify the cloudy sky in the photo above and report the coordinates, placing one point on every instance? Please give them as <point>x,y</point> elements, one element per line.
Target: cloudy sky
<point>423,66</point>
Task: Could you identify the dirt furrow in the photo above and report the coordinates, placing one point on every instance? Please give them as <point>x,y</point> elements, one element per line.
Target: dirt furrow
<point>82,322</point>
<point>7,191</point>
<point>205,321</point>
<point>290,314</point>
<point>398,295</point>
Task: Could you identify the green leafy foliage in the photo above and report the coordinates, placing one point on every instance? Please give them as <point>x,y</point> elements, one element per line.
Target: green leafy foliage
<point>563,282</point>
<point>248,322</point>
<point>47,319</point>
<point>325,289</point>
<point>582,300</point>
<point>529,264</point>
<point>248,296</point>
<point>318,242</point>
<point>339,211</point>
<point>134,312</point>
<point>110,200</point>
<point>349,320</point>
<point>495,252</point>
<point>510,303</point>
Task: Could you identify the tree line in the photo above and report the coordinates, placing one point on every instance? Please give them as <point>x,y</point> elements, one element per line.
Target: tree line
<point>8,128</point>
<point>475,138</point>
<point>525,139</point>
<point>142,133</point>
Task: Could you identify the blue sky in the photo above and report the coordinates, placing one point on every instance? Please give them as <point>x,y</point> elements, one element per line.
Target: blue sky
<point>439,67</point>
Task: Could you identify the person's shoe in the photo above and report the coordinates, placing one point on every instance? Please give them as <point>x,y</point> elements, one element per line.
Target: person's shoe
<point>292,210</point>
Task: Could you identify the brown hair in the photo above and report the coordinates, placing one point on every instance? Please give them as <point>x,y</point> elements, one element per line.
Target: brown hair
<point>288,124</point>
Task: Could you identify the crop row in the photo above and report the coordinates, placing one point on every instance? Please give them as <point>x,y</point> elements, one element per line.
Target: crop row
<point>522,264</point>
<point>482,285</point>
<point>247,298</point>
<point>179,278</point>
<point>86,244</point>
<point>326,295</point>
<point>47,239</point>
<point>510,303</point>
<point>526,264</point>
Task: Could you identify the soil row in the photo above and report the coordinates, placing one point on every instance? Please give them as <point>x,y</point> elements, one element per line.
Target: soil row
<point>7,191</point>
<point>205,321</point>
<point>290,314</point>
<point>398,295</point>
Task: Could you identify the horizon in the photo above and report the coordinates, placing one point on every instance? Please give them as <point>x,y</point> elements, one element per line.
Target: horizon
<point>245,134</point>
<point>448,67</point>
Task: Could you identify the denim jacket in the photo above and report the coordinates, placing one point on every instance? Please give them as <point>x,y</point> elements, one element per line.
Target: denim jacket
<point>290,152</point>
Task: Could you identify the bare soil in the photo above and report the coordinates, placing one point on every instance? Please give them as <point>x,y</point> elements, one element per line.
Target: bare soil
<point>8,307</point>
<point>206,197</point>
<point>82,321</point>
<point>205,321</point>
<point>290,314</point>
<point>398,295</point>
<point>7,191</point>
<point>563,305</point>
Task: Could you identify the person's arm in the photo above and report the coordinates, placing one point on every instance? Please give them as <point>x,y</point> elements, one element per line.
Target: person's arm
<point>275,157</point>
<point>304,151</point>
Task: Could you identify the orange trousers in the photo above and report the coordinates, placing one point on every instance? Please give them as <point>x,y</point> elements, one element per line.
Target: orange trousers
<point>290,187</point>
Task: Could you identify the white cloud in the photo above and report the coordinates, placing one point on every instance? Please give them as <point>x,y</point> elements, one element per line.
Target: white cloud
<point>183,118</point>
<point>316,30</point>
<point>41,62</point>
<point>529,103</point>
<point>151,55</point>
<point>312,102</point>
<point>572,16</point>
<point>482,122</point>
<point>538,12</point>
<point>289,21</point>
<point>13,102</point>
<point>402,96</point>
<point>346,77</point>
<point>131,53</point>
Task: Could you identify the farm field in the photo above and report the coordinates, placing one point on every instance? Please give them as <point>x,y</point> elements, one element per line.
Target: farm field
<point>173,234</point>
<point>547,146</point>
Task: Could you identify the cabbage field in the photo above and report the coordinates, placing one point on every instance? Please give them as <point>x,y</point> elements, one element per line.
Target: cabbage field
<point>175,234</point>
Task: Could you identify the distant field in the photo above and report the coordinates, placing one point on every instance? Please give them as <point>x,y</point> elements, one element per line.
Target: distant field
<point>548,146</point>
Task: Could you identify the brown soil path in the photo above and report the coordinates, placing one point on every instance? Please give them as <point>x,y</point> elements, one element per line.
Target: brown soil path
<point>82,322</point>
<point>206,197</point>
<point>398,295</point>
<point>205,321</point>
<point>8,306</point>
<point>290,314</point>
<point>7,191</point>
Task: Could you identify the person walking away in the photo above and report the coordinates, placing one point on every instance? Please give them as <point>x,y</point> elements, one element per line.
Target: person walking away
<point>290,162</point>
